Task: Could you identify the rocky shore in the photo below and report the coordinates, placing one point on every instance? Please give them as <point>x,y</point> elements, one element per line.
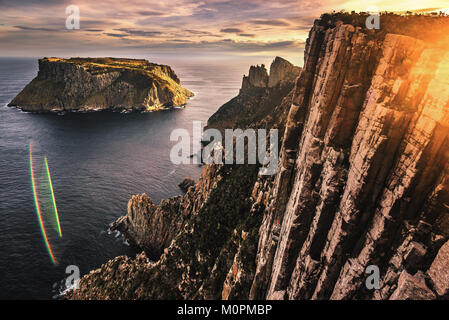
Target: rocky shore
<point>97,84</point>
<point>363,181</point>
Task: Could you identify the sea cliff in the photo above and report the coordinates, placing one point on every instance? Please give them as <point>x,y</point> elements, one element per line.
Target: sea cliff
<point>95,84</point>
<point>363,181</point>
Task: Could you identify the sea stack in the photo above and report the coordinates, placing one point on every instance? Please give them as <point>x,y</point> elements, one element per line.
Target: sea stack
<point>97,84</point>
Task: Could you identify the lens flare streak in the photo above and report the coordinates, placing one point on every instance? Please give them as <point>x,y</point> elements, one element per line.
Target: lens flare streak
<point>53,197</point>
<point>38,210</point>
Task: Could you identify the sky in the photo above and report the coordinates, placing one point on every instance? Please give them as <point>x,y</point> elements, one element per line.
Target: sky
<point>198,29</point>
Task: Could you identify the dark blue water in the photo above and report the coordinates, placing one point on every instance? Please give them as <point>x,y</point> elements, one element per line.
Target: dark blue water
<point>97,161</point>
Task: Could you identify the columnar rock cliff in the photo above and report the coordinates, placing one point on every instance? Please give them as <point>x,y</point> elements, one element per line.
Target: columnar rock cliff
<point>363,177</point>
<point>363,181</point>
<point>257,77</point>
<point>280,71</point>
<point>94,84</point>
<point>259,103</point>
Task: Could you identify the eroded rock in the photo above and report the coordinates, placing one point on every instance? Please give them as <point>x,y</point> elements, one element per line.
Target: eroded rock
<point>412,288</point>
<point>438,271</point>
<point>186,184</point>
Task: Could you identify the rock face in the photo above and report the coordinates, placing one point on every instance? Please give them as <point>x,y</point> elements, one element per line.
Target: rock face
<point>363,168</point>
<point>153,227</point>
<point>363,180</point>
<point>438,271</point>
<point>260,102</point>
<point>186,184</point>
<point>412,288</point>
<point>257,77</point>
<point>282,70</point>
<point>149,226</point>
<point>94,84</point>
<point>190,267</point>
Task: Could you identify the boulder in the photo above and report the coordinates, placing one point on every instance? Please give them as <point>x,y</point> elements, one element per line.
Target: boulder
<point>186,184</point>
<point>412,288</point>
<point>439,271</point>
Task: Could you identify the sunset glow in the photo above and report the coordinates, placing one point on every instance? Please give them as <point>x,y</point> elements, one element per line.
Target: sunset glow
<point>142,28</point>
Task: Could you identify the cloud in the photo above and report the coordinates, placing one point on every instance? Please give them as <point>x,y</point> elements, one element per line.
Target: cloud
<point>225,45</point>
<point>28,3</point>
<point>270,22</point>
<point>36,29</point>
<point>181,41</point>
<point>231,30</point>
<point>248,35</point>
<point>116,35</point>
<point>139,33</point>
<point>253,25</point>
<point>200,33</point>
<point>150,13</point>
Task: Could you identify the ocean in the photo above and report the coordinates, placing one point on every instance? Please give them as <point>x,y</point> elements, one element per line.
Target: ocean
<point>96,162</point>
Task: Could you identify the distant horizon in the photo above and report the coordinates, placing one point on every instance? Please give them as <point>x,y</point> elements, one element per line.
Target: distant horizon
<point>295,58</point>
<point>245,61</point>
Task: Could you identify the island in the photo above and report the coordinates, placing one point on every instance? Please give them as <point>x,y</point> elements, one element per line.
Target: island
<point>98,84</point>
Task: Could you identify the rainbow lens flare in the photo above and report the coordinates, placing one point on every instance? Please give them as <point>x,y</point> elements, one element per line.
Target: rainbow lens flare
<point>55,209</point>
<point>38,206</point>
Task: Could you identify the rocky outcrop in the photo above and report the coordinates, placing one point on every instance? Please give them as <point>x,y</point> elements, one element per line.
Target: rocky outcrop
<point>257,77</point>
<point>190,267</point>
<point>149,226</point>
<point>263,100</point>
<point>282,70</point>
<point>438,271</point>
<point>95,84</point>
<point>412,288</point>
<point>152,227</point>
<point>121,278</point>
<point>186,184</point>
<point>363,181</point>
